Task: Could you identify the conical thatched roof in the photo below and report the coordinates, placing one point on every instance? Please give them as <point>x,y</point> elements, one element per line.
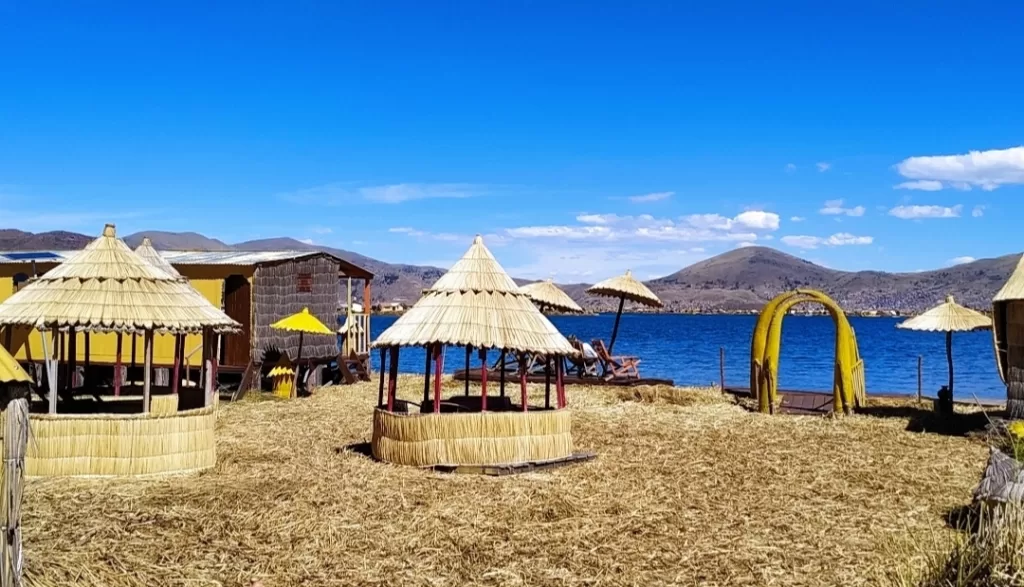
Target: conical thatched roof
<point>1013,289</point>
<point>626,286</point>
<point>147,252</point>
<point>106,286</point>
<point>547,294</point>
<point>476,303</point>
<point>948,316</point>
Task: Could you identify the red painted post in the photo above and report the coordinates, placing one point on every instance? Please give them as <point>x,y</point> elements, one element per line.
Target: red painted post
<point>522,379</point>
<point>438,353</point>
<point>483,380</point>
<point>560,385</point>
<point>392,378</point>
<point>117,365</point>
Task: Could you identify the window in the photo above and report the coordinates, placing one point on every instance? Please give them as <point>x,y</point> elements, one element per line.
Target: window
<point>305,283</point>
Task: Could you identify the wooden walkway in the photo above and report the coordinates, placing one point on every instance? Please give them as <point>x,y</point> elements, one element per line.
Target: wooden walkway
<point>513,379</point>
<point>799,401</point>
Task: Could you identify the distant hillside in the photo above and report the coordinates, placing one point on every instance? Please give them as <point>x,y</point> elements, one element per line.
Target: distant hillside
<point>742,279</point>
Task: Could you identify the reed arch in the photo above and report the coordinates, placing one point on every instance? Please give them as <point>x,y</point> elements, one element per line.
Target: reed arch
<point>848,374</point>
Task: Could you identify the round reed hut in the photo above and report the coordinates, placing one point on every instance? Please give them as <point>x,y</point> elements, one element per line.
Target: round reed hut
<point>475,305</point>
<point>1008,339</point>
<point>109,288</point>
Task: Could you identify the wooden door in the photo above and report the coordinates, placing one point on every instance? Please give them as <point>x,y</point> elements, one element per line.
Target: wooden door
<point>238,305</point>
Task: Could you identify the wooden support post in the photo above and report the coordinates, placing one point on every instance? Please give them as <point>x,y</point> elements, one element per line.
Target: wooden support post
<point>298,367</point>
<point>117,365</point>
<point>176,370</point>
<point>147,377</point>
<point>920,377</point>
<point>62,363</point>
<point>15,436</point>
<point>365,334</point>
<point>483,380</point>
<point>501,375</point>
<point>428,351</point>
<point>393,379</point>
<point>469,352</point>
<point>72,368</point>
<point>134,355</point>
<point>438,353</point>
<point>51,369</point>
<point>721,369</point>
<point>380,392</point>
<point>560,385</point>
<point>522,380</point>
<point>547,383</point>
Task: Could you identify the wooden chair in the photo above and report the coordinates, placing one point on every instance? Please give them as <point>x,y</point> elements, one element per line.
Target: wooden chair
<point>581,366</point>
<point>615,367</point>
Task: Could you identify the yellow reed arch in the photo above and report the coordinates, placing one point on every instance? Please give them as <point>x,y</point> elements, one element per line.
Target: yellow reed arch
<point>848,375</point>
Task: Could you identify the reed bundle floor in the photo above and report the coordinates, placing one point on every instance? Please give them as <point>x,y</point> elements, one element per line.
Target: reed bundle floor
<point>688,488</point>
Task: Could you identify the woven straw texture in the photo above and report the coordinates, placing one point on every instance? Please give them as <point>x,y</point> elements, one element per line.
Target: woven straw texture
<point>483,438</point>
<point>476,303</point>
<point>151,256</point>
<point>948,317</point>
<point>1013,289</point>
<point>107,286</point>
<point>549,296</point>
<point>105,445</point>
<point>275,294</point>
<point>626,286</point>
<point>10,370</point>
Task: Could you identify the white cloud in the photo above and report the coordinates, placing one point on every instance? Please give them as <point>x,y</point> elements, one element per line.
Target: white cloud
<point>985,169</point>
<point>591,262</point>
<point>835,208</point>
<point>836,240</point>
<point>338,194</point>
<point>745,244</point>
<point>918,212</point>
<point>925,185</point>
<point>961,260</point>
<point>758,220</point>
<point>978,211</point>
<point>823,166</point>
<point>307,241</point>
<point>797,219</point>
<point>790,168</point>
<point>597,218</point>
<point>437,236</point>
<point>655,197</point>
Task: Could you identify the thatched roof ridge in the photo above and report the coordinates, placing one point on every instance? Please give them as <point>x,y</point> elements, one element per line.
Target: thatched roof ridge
<point>476,303</point>
<point>148,253</point>
<point>107,286</point>
<point>628,287</point>
<point>1013,289</point>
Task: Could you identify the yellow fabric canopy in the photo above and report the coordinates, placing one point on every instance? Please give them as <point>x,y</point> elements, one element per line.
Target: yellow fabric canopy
<point>10,370</point>
<point>302,322</point>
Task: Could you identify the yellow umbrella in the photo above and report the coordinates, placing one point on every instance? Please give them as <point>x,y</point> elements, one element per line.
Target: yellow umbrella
<point>302,322</point>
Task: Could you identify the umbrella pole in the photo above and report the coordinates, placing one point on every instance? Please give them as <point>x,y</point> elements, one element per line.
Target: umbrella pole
<point>298,357</point>
<point>949,359</point>
<point>615,329</point>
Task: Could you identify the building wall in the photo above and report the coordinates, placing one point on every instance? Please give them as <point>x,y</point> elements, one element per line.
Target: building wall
<point>276,294</point>
<point>26,343</point>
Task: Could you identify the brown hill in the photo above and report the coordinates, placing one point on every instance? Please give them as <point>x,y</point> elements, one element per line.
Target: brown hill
<point>742,279</point>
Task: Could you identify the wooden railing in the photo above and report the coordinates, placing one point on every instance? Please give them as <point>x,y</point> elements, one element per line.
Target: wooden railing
<point>357,337</point>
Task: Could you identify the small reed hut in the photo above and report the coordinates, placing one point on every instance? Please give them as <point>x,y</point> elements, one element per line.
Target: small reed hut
<point>1008,338</point>
<point>109,288</point>
<point>477,306</point>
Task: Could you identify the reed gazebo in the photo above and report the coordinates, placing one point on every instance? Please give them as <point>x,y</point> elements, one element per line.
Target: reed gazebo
<point>477,306</point>
<point>107,288</point>
<point>1008,338</point>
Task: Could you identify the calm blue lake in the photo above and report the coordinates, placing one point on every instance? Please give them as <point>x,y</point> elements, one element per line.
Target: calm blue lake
<point>685,348</point>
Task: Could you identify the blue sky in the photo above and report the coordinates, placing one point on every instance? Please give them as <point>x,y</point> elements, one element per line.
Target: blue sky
<point>581,138</point>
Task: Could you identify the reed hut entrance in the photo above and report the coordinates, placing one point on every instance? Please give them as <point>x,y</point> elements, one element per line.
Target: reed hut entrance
<point>848,377</point>
<point>1008,337</point>
<point>238,306</point>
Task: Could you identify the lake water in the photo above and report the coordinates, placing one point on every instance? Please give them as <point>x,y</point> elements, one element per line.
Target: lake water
<point>685,348</point>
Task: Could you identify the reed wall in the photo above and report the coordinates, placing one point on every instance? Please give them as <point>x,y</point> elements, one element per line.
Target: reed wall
<point>1012,339</point>
<point>481,438</point>
<point>276,294</point>
<point>107,445</point>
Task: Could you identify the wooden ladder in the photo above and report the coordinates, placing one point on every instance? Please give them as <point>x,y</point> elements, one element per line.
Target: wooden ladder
<point>252,371</point>
<point>343,368</point>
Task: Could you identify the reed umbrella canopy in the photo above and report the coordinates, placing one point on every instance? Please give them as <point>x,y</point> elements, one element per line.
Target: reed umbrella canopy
<point>549,296</point>
<point>948,317</point>
<point>475,305</point>
<point>624,287</point>
<point>304,323</point>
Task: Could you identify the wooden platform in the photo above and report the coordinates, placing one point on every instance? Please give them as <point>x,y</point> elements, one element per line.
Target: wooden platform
<point>498,470</point>
<point>493,377</point>
<point>799,401</point>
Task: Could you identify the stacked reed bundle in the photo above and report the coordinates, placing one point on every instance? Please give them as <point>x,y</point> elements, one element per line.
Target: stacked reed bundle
<point>121,445</point>
<point>484,438</point>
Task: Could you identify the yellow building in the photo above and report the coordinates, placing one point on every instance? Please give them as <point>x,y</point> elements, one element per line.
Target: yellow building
<point>253,288</point>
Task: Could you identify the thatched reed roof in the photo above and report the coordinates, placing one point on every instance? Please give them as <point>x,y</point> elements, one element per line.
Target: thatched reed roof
<point>547,294</point>
<point>10,370</point>
<point>1013,289</point>
<point>302,322</point>
<point>948,316</point>
<point>147,252</point>
<point>476,303</point>
<point>628,287</point>
<point>106,286</point>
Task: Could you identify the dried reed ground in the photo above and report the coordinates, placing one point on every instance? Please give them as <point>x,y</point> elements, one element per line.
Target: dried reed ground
<point>690,489</point>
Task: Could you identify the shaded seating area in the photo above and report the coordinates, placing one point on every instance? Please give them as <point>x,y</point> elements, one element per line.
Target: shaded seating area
<point>612,367</point>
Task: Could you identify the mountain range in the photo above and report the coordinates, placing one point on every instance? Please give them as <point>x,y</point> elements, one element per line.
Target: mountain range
<point>739,280</point>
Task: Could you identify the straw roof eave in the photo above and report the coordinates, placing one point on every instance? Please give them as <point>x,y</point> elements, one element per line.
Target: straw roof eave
<point>551,296</point>
<point>948,317</point>
<point>628,287</point>
<point>1013,289</point>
